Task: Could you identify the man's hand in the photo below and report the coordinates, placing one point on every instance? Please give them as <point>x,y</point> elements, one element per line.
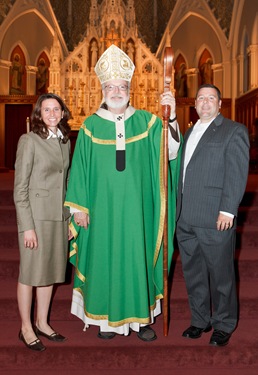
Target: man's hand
<point>70,234</point>
<point>167,98</point>
<point>224,222</point>
<point>82,219</point>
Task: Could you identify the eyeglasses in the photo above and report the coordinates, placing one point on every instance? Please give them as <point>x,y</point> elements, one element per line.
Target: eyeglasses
<point>113,87</point>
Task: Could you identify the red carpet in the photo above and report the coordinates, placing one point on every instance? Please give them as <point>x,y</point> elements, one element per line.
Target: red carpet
<point>83,353</point>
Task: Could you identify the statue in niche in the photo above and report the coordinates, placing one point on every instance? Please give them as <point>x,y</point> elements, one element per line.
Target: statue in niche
<point>42,77</point>
<point>17,71</point>
<point>94,53</point>
<point>206,72</point>
<point>181,81</point>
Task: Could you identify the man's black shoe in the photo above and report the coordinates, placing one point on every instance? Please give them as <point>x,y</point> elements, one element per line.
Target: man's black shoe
<point>106,335</point>
<point>194,332</point>
<point>219,338</point>
<point>146,333</point>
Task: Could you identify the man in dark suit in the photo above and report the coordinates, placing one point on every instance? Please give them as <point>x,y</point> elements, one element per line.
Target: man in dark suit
<point>213,178</point>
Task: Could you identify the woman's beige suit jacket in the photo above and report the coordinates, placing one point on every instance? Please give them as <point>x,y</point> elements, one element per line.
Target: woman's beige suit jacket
<point>40,180</point>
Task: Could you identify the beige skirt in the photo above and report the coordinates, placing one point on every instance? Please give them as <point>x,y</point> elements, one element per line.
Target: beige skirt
<point>47,264</point>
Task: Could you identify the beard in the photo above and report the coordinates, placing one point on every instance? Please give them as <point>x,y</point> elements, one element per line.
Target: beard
<point>116,104</point>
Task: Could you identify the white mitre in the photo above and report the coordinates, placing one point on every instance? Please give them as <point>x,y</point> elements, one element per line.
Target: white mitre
<point>114,64</point>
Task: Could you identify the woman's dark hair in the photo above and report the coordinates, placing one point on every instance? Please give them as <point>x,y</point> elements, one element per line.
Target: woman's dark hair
<point>212,87</point>
<point>40,128</point>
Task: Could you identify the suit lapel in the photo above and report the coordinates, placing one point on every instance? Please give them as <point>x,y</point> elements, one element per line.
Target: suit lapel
<point>208,134</point>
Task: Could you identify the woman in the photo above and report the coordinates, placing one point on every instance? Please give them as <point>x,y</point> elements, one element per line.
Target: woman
<point>41,171</point>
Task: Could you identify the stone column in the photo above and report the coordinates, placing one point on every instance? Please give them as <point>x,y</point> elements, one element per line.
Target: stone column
<point>5,77</point>
<point>31,79</point>
<point>192,82</point>
<point>253,69</point>
<point>241,74</point>
<point>218,75</point>
<point>226,87</point>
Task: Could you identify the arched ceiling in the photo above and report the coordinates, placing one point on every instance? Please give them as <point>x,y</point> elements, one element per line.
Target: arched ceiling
<point>152,17</point>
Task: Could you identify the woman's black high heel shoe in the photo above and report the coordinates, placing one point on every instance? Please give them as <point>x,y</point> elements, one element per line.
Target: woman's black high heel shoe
<point>34,345</point>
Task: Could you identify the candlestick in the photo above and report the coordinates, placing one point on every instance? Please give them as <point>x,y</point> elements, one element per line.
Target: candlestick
<point>28,124</point>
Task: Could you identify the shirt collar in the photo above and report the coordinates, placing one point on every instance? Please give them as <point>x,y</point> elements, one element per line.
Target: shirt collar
<point>51,134</point>
<point>208,123</point>
<point>204,124</point>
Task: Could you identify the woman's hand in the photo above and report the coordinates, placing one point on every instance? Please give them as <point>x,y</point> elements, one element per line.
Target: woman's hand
<point>30,239</point>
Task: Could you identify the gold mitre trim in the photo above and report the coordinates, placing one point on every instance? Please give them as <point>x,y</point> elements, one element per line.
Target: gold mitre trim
<point>114,64</point>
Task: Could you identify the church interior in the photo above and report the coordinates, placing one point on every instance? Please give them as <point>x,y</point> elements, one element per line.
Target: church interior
<point>53,46</point>
<point>48,47</point>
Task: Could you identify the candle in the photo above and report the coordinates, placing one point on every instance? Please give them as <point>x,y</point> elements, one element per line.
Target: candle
<point>28,124</point>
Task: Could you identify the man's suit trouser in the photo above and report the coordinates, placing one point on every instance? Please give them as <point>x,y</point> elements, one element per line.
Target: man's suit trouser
<point>207,257</point>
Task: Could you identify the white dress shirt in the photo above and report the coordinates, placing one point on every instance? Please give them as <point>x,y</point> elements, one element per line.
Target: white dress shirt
<point>193,141</point>
<point>173,145</point>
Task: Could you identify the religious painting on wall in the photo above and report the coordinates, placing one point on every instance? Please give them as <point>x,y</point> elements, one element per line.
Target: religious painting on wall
<point>42,76</point>
<point>17,72</point>
<point>180,77</point>
<point>205,68</point>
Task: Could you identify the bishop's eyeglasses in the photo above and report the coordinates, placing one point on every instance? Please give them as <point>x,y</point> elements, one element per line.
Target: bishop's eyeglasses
<point>113,87</point>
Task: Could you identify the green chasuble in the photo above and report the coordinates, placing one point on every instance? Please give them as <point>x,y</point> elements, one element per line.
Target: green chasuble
<point>118,260</point>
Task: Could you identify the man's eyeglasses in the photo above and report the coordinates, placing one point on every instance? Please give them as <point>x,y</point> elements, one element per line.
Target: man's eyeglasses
<point>113,87</point>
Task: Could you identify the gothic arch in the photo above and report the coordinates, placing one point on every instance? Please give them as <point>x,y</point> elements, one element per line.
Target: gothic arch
<point>23,48</point>
<point>200,53</point>
<point>37,13</point>
<point>29,17</point>
<point>45,54</point>
<point>177,21</point>
<point>178,53</point>
<point>186,17</point>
